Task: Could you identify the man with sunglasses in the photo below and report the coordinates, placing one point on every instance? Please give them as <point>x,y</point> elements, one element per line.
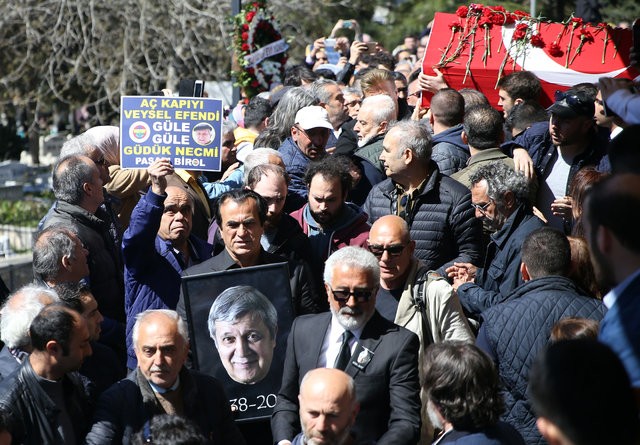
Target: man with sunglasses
<point>381,357</point>
<point>309,136</point>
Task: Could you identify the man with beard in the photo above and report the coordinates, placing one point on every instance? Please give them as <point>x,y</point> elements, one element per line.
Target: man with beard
<point>499,196</point>
<point>611,212</point>
<point>561,147</point>
<point>380,356</point>
<point>309,136</point>
<point>329,221</point>
<point>328,408</point>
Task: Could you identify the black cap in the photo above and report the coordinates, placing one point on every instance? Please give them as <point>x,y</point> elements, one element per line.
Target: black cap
<point>572,104</point>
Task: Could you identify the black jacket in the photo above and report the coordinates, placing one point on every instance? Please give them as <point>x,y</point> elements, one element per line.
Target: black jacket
<point>304,290</point>
<point>106,270</point>
<point>514,332</point>
<point>32,413</point>
<point>125,407</point>
<point>442,223</point>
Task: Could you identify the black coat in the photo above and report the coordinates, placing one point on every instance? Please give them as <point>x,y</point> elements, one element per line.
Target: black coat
<point>514,332</point>
<point>32,413</point>
<point>125,407</point>
<point>443,223</point>
<point>387,386</point>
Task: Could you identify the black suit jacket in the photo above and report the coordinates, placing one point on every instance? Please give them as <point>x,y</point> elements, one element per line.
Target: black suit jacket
<point>304,293</point>
<point>387,386</point>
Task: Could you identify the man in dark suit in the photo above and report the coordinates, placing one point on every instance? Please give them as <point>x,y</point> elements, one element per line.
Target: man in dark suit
<point>380,356</point>
<point>241,215</point>
<point>611,215</point>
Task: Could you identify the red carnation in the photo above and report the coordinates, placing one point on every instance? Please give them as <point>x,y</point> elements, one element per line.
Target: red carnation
<point>499,8</point>
<point>576,21</point>
<point>485,21</point>
<point>536,40</point>
<point>251,71</point>
<point>520,32</point>
<point>520,14</point>
<point>555,50</point>
<point>245,27</point>
<point>586,36</point>
<point>509,18</point>
<point>255,84</point>
<point>497,19</point>
<point>462,11</point>
<point>455,26</point>
<point>245,35</point>
<point>255,4</point>
<point>250,15</point>
<point>245,47</point>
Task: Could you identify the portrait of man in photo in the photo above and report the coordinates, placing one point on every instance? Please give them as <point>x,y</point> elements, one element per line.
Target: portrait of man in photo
<point>203,133</point>
<point>243,324</point>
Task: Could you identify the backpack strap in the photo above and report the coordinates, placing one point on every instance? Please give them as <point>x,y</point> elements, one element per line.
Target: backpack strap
<point>420,302</point>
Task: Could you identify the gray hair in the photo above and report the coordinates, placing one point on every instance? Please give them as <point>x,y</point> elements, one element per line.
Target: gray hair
<point>255,175</point>
<point>74,146</point>
<point>238,301</point>
<point>415,137</point>
<point>106,139</point>
<point>172,315</point>
<point>228,126</point>
<point>19,311</point>
<point>49,247</point>
<point>319,90</point>
<point>69,175</point>
<point>382,108</point>
<point>284,116</point>
<point>353,90</point>
<point>259,156</point>
<point>502,179</point>
<point>353,257</point>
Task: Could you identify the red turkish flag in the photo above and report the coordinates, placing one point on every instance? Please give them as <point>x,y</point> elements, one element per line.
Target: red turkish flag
<point>595,60</point>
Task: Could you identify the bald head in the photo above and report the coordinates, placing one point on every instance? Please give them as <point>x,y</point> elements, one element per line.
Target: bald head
<point>390,225</point>
<point>328,406</point>
<point>390,241</point>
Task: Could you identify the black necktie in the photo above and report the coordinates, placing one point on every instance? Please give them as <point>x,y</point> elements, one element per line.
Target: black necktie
<point>345,351</point>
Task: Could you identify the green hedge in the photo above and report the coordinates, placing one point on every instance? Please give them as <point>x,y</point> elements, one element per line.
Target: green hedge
<point>23,213</point>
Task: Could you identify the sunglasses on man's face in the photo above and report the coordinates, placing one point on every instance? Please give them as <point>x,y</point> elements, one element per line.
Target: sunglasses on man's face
<point>360,295</point>
<point>394,250</point>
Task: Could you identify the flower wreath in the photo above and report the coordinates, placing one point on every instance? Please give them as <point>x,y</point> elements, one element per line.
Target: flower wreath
<point>259,49</point>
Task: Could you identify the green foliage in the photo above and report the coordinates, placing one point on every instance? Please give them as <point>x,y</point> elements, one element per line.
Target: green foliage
<point>22,213</point>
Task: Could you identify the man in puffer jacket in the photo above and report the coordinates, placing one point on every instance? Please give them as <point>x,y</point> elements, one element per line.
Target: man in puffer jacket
<point>436,207</point>
<point>514,332</point>
<point>447,113</point>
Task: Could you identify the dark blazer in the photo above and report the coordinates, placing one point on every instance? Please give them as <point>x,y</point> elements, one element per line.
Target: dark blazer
<point>305,295</point>
<point>387,386</point>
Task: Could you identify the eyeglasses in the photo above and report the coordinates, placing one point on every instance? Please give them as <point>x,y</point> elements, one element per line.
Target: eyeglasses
<point>482,207</point>
<point>394,250</point>
<point>361,296</point>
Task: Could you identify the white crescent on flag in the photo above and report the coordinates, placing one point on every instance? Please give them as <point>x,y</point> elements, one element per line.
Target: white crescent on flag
<point>542,65</point>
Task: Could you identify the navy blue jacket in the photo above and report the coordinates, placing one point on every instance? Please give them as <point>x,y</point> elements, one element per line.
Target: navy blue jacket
<point>152,268</point>
<point>442,222</point>
<point>515,331</point>
<point>449,152</point>
<point>500,434</point>
<point>537,141</point>
<point>500,273</point>
<point>296,164</point>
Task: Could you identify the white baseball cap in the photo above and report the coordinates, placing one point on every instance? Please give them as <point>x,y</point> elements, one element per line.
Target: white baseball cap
<point>313,117</point>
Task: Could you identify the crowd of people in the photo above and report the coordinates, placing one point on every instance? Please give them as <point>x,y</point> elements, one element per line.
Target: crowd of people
<point>461,273</point>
